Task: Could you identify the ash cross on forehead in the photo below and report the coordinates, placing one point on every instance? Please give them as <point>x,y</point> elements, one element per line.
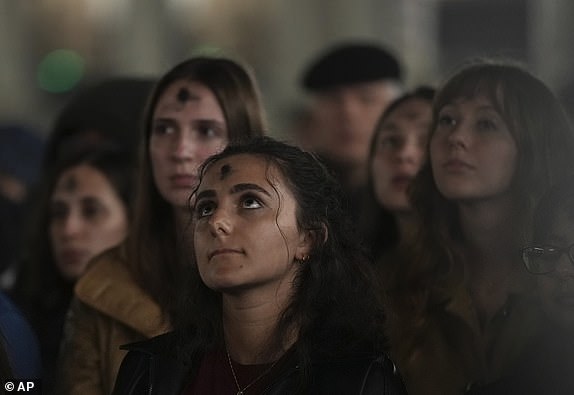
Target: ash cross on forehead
<point>70,183</point>
<point>225,171</point>
<point>183,95</point>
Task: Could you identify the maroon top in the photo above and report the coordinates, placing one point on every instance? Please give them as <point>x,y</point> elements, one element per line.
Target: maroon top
<point>215,376</point>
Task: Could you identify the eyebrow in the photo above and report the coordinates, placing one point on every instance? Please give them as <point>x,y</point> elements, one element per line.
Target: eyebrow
<point>163,120</point>
<point>210,193</point>
<point>481,107</point>
<point>247,187</point>
<point>488,107</point>
<point>210,122</point>
<point>197,122</point>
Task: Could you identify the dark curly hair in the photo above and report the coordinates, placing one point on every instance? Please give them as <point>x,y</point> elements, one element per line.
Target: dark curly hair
<point>336,304</point>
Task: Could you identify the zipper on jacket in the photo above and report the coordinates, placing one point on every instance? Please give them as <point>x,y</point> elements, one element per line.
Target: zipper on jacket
<point>151,375</point>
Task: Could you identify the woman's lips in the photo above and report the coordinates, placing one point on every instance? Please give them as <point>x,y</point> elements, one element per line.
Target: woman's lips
<point>183,180</point>
<point>72,257</point>
<point>223,251</point>
<point>456,165</point>
<point>401,181</point>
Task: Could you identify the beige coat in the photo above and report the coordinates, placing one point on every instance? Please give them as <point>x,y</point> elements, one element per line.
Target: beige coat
<point>109,309</point>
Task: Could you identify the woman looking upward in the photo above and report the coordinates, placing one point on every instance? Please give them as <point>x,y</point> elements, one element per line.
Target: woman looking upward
<point>285,294</point>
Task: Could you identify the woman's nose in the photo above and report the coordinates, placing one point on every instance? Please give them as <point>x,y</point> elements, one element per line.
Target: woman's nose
<point>411,152</point>
<point>458,136</point>
<point>182,147</point>
<point>71,225</point>
<point>220,222</point>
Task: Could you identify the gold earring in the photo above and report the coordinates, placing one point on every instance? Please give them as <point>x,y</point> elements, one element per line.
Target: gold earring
<point>303,259</point>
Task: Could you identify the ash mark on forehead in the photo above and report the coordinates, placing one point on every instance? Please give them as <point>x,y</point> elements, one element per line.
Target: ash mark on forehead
<point>183,95</point>
<point>225,171</point>
<point>70,183</point>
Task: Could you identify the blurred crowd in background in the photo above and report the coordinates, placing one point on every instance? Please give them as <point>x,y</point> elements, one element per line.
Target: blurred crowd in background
<point>446,124</point>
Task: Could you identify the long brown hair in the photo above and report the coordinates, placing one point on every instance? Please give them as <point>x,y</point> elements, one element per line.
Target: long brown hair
<point>545,144</point>
<point>379,224</point>
<point>154,246</point>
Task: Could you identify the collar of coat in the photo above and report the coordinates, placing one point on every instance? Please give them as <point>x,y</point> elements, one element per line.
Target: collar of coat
<point>108,287</point>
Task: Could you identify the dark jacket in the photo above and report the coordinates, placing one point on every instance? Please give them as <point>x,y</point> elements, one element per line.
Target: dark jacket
<point>158,367</point>
<point>546,367</point>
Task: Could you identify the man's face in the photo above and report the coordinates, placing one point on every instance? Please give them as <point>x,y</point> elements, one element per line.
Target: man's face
<point>344,119</point>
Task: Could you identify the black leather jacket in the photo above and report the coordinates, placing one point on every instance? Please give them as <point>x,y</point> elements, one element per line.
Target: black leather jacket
<point>155,367</point>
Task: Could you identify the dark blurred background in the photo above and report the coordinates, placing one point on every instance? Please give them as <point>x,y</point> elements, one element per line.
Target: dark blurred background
<point>51,48</point>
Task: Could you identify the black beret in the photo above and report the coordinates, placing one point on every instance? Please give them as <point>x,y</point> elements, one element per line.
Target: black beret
<point>351,63</point>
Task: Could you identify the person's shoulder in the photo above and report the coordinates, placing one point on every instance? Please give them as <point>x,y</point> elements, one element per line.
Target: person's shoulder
<point>173,344</point>
<point>157,345</point>
<point>134,373</point>
<point>112,259</point>
<point>168,356</point>
<point>109,288</point>
<point>106,274</point>
<point>358,373</point>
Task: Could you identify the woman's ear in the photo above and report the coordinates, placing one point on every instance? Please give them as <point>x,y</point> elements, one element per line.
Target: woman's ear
<point>309,239</point>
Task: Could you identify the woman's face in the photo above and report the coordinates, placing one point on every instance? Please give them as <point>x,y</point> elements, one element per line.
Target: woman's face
<point>557,288</point>
<point>400,152</point>
<point>86,217</point>
<point>473,153</point>
<point>246,235</point>
<point>188,127</point>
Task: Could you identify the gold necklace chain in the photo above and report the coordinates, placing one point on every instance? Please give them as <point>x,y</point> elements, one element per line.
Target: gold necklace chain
<point>239,390</point>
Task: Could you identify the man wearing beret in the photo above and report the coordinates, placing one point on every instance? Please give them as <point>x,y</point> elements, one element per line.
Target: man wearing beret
<point>350,85</point>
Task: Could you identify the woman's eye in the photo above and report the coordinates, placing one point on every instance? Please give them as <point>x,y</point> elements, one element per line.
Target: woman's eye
<point>391,142</point>
<point>446,120</point>
<point>251,202</point>
<point>208,129</point>
<point>204,209</point>
<point>486,124</point>
<point>91,209</point>
<point>162,128</point>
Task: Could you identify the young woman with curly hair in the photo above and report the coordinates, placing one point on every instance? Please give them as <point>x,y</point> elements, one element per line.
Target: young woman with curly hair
<point>286,297</point>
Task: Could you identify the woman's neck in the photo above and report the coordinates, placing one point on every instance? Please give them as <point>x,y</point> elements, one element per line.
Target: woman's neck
<point>249,324</point>
<point>406,224</point>
<point>491,239</point>
<point>490,227</point>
